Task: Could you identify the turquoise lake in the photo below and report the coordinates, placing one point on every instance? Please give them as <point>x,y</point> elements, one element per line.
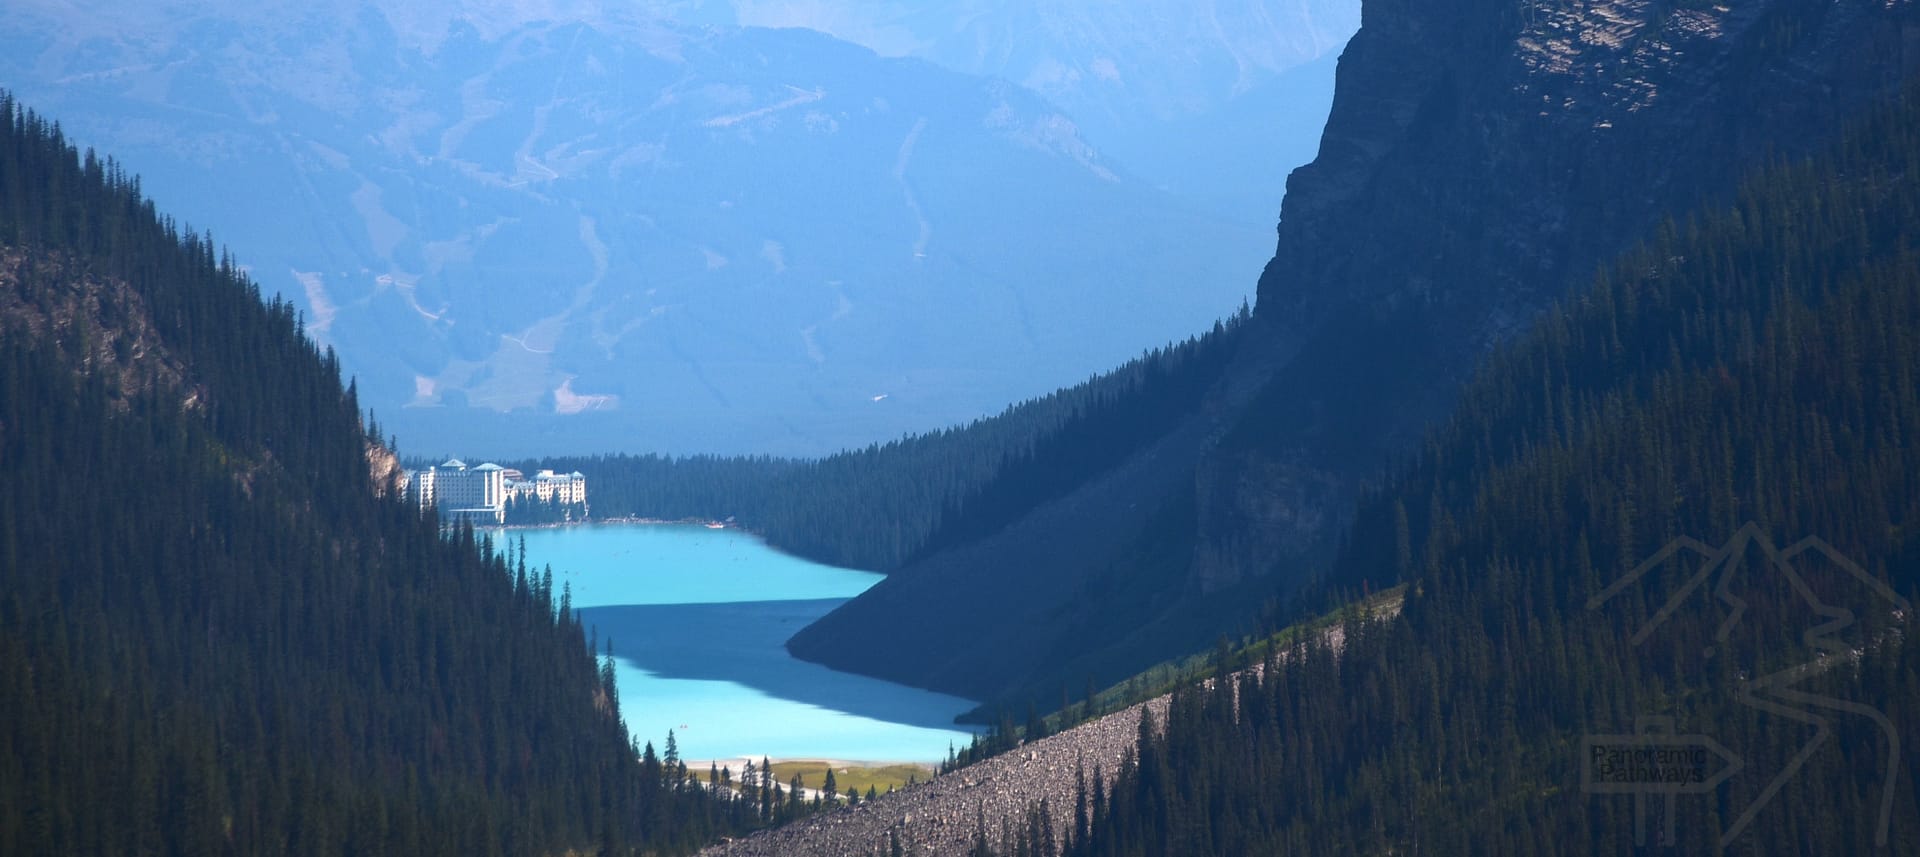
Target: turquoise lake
<point>699,619</point>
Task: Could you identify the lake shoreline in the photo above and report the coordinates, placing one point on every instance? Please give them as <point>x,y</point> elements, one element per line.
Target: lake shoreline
<point>880,777</point>
<point>736,764</point>
<point>624,519</point>
<point>699,617</point>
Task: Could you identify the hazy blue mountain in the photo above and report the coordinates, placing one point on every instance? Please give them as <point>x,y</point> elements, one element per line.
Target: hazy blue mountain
<point>533,226</point>
<point>1215,98</point>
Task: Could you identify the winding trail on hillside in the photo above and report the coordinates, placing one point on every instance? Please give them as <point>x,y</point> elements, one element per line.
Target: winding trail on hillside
<point>906,190</point>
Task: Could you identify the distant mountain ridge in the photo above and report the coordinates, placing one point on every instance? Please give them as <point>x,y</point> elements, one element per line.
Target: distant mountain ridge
<point>1201,97</point>
<point>550,227</point>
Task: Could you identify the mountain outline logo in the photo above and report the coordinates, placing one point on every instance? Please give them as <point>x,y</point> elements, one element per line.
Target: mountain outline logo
<point>1773,693</point>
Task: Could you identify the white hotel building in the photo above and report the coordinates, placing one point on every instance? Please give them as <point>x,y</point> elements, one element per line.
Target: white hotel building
<point>480,494</point>
<point>548,487</point>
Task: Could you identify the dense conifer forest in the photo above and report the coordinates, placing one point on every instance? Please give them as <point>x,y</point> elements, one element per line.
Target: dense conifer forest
<point>878,507</point>
<point>218,633</point>
<point>1748,380</point>
<point>532,511</point>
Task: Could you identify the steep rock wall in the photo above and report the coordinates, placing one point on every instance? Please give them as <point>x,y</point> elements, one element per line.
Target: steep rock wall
<point>1482,158</point>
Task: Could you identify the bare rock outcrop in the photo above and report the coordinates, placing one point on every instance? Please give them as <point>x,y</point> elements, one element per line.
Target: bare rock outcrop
<point>939,818</point>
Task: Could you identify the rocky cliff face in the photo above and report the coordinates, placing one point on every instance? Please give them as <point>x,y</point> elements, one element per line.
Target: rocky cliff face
<point>1482,158</point>
<point>1490,149</point>
<point>102,324</point>
<point>384,468</point>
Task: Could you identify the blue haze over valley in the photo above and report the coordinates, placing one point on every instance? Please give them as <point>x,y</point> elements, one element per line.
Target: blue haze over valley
<point>787,228</point>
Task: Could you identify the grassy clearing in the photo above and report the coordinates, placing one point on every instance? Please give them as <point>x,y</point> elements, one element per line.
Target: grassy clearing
<point>814,774</point>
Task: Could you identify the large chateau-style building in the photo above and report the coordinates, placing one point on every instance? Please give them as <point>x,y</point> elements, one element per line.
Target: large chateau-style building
<point>483,494</point>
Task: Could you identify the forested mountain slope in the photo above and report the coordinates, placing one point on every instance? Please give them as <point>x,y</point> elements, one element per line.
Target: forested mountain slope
<point>1746,380</point>
<point>1481,159</point>
<point>877,507</point>
<point>216,636</point>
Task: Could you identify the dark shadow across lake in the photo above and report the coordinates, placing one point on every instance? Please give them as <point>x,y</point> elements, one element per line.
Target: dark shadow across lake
<point>699,619</point>
<point>745,643</point>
